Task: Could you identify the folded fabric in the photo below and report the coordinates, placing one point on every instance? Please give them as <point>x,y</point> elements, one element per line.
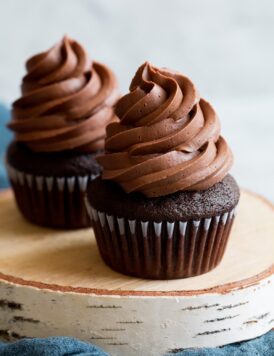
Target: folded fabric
<point>5,137</point>
<point>64,346</point>
<point>261,346</point>
<point>52,346</point>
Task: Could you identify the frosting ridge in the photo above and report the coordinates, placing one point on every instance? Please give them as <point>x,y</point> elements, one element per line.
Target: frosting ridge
<point>66,101</point>
<point>168,138</point>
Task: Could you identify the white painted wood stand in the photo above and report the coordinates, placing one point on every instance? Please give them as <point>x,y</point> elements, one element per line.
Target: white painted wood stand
<point>55,283</point>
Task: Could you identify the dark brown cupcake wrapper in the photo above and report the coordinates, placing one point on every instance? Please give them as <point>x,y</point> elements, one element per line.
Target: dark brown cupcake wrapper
<point>51,201</point>
<point>161,250</point>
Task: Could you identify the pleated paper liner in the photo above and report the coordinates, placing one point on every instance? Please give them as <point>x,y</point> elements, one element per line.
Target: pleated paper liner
<point>56,202</point>
<point>161,250</point>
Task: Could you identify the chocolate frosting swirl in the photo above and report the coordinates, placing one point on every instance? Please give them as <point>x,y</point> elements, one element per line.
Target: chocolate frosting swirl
<point>167,140</point>
<point>66,101</point>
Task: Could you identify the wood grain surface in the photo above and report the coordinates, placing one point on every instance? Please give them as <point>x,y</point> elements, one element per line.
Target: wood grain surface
<point>71,259</point>
<point>55,283</point>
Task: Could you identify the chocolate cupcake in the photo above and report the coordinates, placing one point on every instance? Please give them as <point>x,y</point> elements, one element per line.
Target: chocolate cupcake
<point>164,205</point>
<point>59,125</point>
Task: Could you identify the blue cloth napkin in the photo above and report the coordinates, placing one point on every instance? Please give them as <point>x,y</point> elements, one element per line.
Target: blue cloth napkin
<point>262,346</point>
<point>5,137</point>
<point>52,346</point>
<point>65,346</point>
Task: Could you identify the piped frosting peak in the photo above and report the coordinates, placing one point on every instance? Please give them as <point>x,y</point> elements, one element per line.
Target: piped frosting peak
<point>66,101</point>
<point>168,138</point>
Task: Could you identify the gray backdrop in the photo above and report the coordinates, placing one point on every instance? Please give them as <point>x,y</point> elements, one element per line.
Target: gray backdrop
<point>225,46</point>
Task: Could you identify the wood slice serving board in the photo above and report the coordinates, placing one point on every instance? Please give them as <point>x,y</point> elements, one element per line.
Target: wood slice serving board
<point>55,283</point>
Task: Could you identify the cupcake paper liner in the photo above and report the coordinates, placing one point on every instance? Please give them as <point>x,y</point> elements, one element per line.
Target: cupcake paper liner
<point>51,201</point>
<point>161,250</point>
